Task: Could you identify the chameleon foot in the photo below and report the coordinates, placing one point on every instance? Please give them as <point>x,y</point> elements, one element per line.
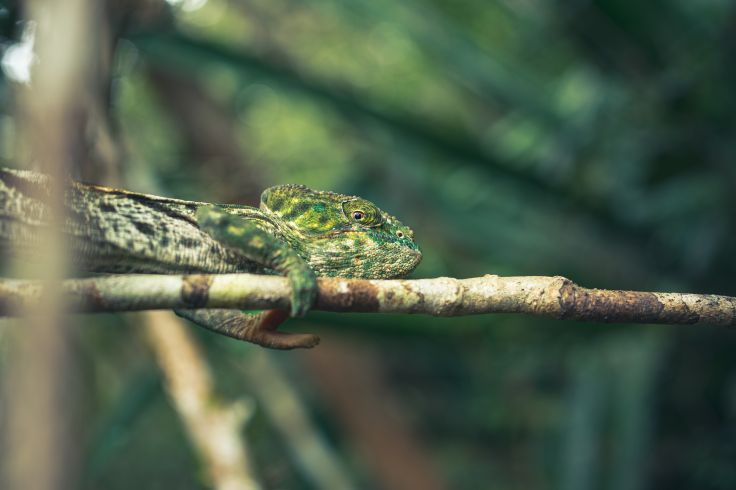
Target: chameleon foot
<point>257,328</point>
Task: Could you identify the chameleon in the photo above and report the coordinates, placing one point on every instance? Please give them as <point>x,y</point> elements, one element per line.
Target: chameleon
<point>296,231</point>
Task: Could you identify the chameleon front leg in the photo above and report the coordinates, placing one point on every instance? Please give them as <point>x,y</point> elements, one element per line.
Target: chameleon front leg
<point>263,248</point>
<point>268,251</point>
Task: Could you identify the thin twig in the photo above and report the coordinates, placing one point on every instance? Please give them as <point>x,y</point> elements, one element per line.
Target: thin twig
<point>555,297</point>
<point>213,427</point>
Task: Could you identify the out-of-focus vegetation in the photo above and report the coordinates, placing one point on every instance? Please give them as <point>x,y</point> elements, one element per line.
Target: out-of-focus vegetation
<point>591,139</point>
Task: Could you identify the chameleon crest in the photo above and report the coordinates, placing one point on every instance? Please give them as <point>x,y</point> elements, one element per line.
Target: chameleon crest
<point>340,235</point>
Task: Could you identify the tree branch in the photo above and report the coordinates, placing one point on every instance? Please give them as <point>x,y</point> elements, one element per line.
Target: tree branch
<point>555,297</point>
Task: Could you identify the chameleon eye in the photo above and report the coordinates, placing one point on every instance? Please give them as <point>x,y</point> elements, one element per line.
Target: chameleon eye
<point>362,212</point>
<point>400,234</point>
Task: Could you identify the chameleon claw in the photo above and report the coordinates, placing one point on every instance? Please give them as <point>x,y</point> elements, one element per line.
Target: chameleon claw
<point>267,335</point>
<point>257,328</point>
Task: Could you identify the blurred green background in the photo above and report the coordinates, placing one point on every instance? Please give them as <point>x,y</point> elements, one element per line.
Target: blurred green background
<point>591,139</point>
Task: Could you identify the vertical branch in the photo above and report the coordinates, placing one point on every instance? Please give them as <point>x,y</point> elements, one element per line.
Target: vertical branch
<point>39,436</point>
<point>213,427</point>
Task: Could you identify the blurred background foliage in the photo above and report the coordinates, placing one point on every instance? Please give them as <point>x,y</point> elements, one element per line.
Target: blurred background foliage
<point>590,138</point>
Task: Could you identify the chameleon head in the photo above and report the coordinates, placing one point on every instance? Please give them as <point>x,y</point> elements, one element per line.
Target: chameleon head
<point>341,236</point>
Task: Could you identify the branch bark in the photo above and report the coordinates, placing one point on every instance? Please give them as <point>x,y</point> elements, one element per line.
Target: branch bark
<point>555,297</point>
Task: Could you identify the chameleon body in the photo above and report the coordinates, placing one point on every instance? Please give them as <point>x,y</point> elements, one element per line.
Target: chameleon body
<point>297,232</point>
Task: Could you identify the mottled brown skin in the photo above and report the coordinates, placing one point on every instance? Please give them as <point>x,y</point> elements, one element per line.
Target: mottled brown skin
<point>297,232</point>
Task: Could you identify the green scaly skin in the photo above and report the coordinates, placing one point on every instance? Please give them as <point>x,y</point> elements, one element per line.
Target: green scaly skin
<point>297,232</point>
<point>303,233</point>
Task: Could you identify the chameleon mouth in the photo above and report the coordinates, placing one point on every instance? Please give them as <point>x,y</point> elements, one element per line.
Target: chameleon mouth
<point>414,256</point>
<point>417,256</point>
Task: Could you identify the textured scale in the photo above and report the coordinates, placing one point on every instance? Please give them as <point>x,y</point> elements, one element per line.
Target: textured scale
<point>114,231</point>
<point>316,225</point>
<point>119,231</point>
